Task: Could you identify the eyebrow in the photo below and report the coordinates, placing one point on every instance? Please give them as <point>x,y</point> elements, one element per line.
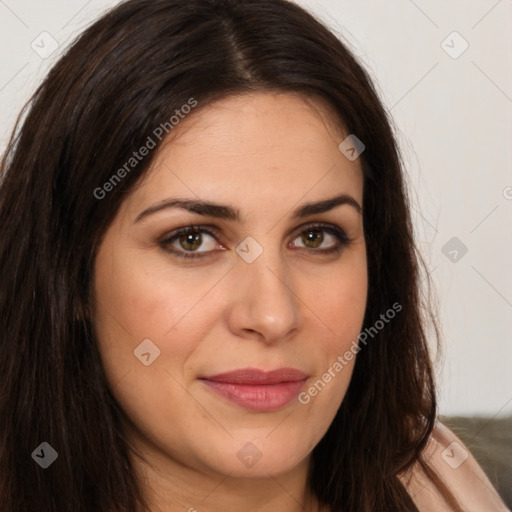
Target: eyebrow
<point>226,212</point>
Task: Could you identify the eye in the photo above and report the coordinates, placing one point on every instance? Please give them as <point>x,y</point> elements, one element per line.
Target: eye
<point>313,236</point>
<point>185,242</point>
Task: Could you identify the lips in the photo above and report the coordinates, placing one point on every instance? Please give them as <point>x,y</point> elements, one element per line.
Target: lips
<point>256,389</point>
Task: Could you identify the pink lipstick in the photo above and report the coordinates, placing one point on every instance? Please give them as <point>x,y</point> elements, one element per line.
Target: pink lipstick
<point>258,390</point>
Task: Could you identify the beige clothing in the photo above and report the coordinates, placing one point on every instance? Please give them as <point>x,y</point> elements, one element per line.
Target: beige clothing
<point>460,472</point>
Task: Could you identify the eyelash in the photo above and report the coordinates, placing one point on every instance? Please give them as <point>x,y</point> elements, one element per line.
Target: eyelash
<point>338,233</point>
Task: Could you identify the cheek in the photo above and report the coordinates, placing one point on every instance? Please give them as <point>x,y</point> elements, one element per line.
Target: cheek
<point>142,309</point>
<point>341,304</point>
<point>341,309</point>
<point>138,298</point>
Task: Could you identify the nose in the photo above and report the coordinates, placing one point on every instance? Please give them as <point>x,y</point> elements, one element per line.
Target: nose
<point>264,306</point>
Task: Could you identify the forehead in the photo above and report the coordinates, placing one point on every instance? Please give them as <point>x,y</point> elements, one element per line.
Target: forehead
<point>259,148</point>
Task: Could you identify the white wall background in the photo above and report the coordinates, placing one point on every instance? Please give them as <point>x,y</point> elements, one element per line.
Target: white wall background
<point>454,119</point>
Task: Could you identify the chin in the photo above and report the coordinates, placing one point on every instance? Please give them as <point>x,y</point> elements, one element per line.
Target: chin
<point>243,458</point>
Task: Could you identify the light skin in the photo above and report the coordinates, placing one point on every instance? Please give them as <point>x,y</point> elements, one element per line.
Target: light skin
<point>267,155</point>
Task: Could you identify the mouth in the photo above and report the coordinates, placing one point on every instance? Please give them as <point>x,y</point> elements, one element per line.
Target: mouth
<point>258,390</point>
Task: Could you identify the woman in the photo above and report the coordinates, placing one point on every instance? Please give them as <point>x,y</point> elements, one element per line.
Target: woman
<point>209,291</point>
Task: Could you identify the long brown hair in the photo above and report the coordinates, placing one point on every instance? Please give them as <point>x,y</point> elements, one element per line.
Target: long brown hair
<point>123,77</point>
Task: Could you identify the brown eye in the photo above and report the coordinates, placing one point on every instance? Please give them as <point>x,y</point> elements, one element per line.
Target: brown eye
<point>190,241</point>
<point>314,236</point>
<point>185,242</point>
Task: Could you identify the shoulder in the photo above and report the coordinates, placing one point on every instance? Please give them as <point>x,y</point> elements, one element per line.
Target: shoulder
<point>447,455</point>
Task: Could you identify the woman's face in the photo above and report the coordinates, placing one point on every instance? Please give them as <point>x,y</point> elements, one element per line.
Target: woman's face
<point>262,292</point>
